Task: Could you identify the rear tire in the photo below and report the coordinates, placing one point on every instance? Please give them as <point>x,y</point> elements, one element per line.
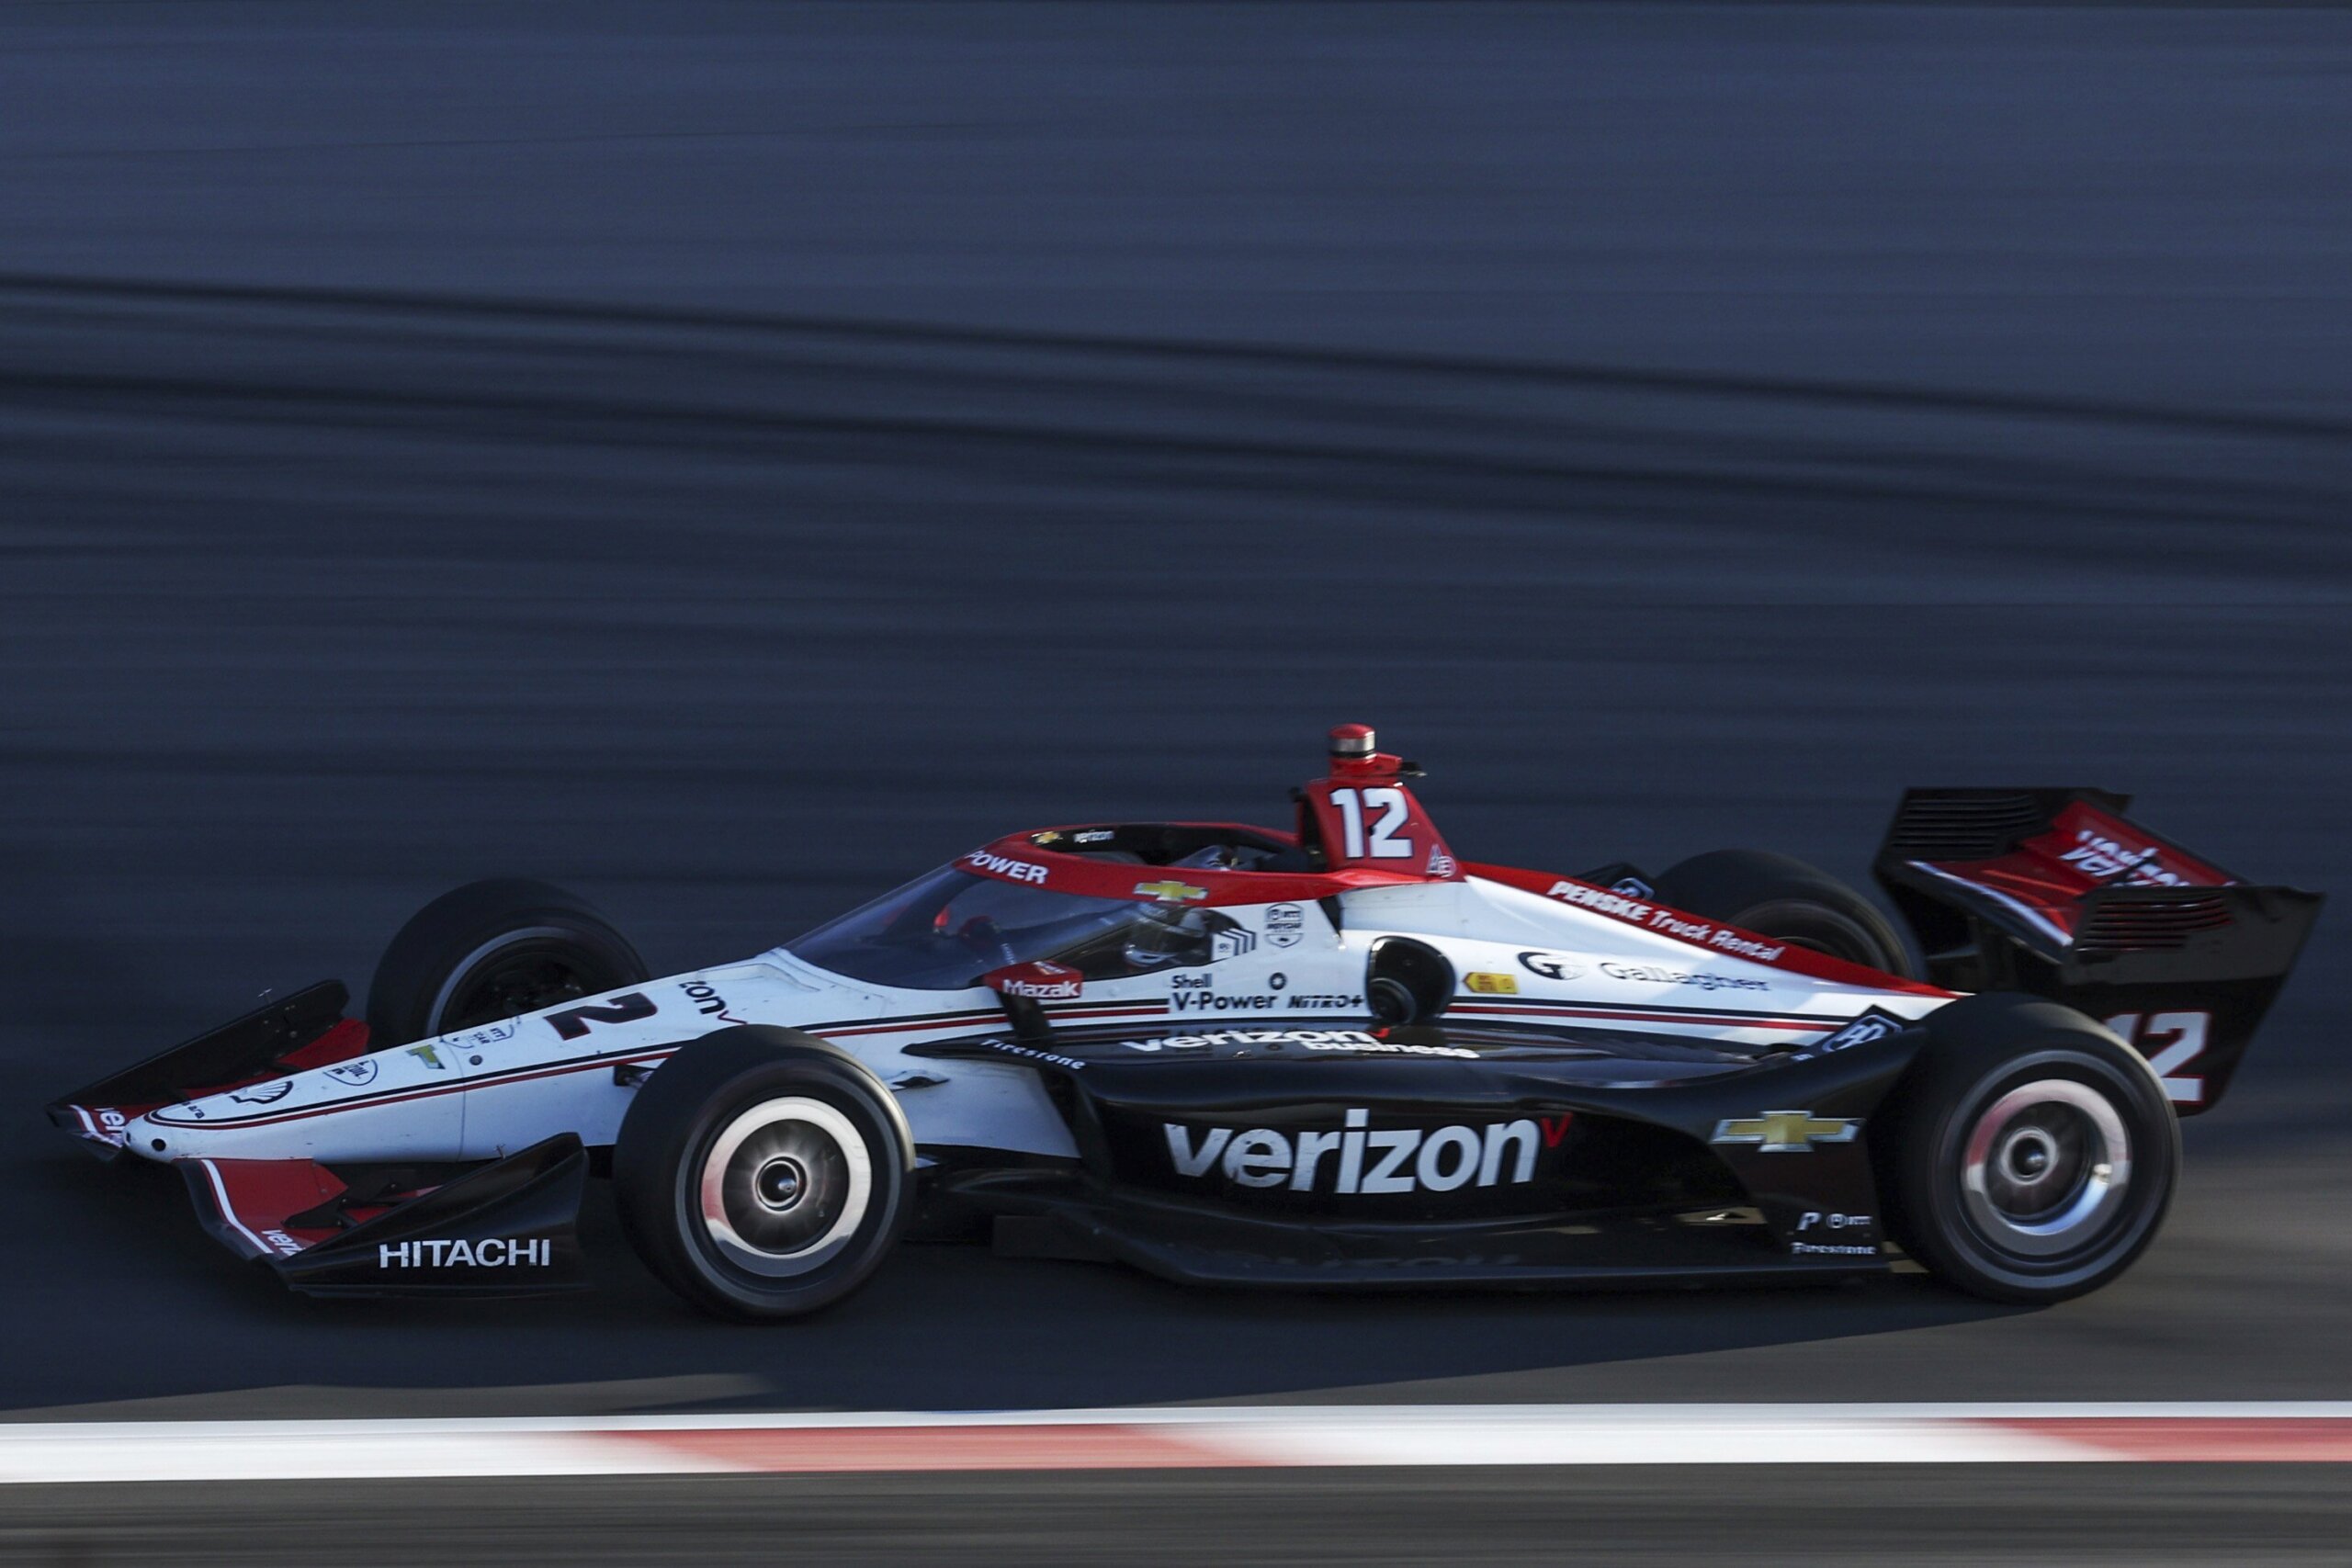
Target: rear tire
<point>2029,1154</point>
<point>491,951</point>
<point>762,1174</point>
<point>1777,896</point>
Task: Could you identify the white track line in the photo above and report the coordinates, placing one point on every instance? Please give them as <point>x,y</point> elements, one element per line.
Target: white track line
<point>1166,1438</point>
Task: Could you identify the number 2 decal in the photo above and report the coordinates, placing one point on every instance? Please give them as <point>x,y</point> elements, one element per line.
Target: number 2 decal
<point>2170,1041</point>
<point>1383,843</point>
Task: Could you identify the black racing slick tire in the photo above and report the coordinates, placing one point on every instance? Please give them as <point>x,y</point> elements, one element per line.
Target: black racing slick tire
<point>762,1174</point>
<point>2027,1155</point>
<point>1777,896</point>
<point>491,951</point>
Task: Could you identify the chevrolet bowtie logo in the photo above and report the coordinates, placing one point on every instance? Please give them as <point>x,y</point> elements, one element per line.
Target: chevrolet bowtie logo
<point>1169,892</point>
<point>1787,1131</point>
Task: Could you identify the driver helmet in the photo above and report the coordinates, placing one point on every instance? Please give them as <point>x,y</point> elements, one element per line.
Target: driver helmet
<point>1164,934</point>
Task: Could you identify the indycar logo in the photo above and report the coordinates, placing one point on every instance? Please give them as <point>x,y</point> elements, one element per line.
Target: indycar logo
<point>1787,1131</point>
<point>354,1073</point>
<point>1366,1159</point>
<point>1285,924</point>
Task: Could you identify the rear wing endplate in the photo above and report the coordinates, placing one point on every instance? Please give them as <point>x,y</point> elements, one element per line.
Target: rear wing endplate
<point>2056,892</point>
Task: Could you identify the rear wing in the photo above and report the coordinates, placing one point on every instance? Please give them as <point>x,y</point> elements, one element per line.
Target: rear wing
<point>2056,892</point>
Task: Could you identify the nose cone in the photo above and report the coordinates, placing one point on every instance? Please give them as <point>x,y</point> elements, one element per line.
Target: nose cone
<point>406,1103</point>
<point>217,1126</point>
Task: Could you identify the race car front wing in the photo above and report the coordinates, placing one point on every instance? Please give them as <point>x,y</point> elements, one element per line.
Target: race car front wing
<point>503,1229</point>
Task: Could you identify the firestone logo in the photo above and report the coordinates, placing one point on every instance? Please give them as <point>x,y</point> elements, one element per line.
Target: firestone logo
<point>1369,1160</point>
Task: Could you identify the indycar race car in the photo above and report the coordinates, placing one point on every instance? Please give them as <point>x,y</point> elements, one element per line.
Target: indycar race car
<point>1335,1055</point>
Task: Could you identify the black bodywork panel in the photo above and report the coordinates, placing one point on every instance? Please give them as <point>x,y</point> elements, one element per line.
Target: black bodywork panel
<point>1332,1154</point>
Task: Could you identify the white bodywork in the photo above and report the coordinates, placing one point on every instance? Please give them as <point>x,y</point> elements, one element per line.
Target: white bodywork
<point>486,1092</point>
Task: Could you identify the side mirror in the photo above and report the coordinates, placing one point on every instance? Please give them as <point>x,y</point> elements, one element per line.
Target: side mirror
<point>1024,988</point>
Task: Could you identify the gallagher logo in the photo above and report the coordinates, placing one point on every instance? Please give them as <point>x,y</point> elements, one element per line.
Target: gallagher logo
<point>1367,1160</point>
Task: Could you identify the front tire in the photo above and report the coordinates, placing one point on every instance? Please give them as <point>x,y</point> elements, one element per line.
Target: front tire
<point>1779,896</point>
<point>762,1174</point>
<point>2031,1155</point>
<point>491,951</point>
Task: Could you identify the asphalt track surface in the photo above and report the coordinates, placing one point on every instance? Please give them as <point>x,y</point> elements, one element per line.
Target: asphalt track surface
<point>2156,1515</point>
<point>729,459</point>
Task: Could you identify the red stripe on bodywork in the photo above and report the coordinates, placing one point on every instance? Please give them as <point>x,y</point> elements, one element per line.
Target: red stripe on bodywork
<point>1790,958</point>
<point>257,1195</point>
<point>1018,859</point>
<point>1725,1021</point>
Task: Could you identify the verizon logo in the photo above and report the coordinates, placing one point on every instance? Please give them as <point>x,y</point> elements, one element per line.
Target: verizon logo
<point>1361,1158</point>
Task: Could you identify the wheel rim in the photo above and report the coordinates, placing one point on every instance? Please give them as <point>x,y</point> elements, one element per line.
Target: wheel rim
<point>2046,1167</point>
<point>784,1186</point>
<point>519,971</point>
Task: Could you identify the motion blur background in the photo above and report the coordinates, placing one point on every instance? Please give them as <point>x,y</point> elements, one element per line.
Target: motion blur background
<point>728,458</point>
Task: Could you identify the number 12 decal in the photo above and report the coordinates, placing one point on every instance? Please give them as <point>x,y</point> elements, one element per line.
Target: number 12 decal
<point>1383,843</point>
<point>2170,1041</point>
